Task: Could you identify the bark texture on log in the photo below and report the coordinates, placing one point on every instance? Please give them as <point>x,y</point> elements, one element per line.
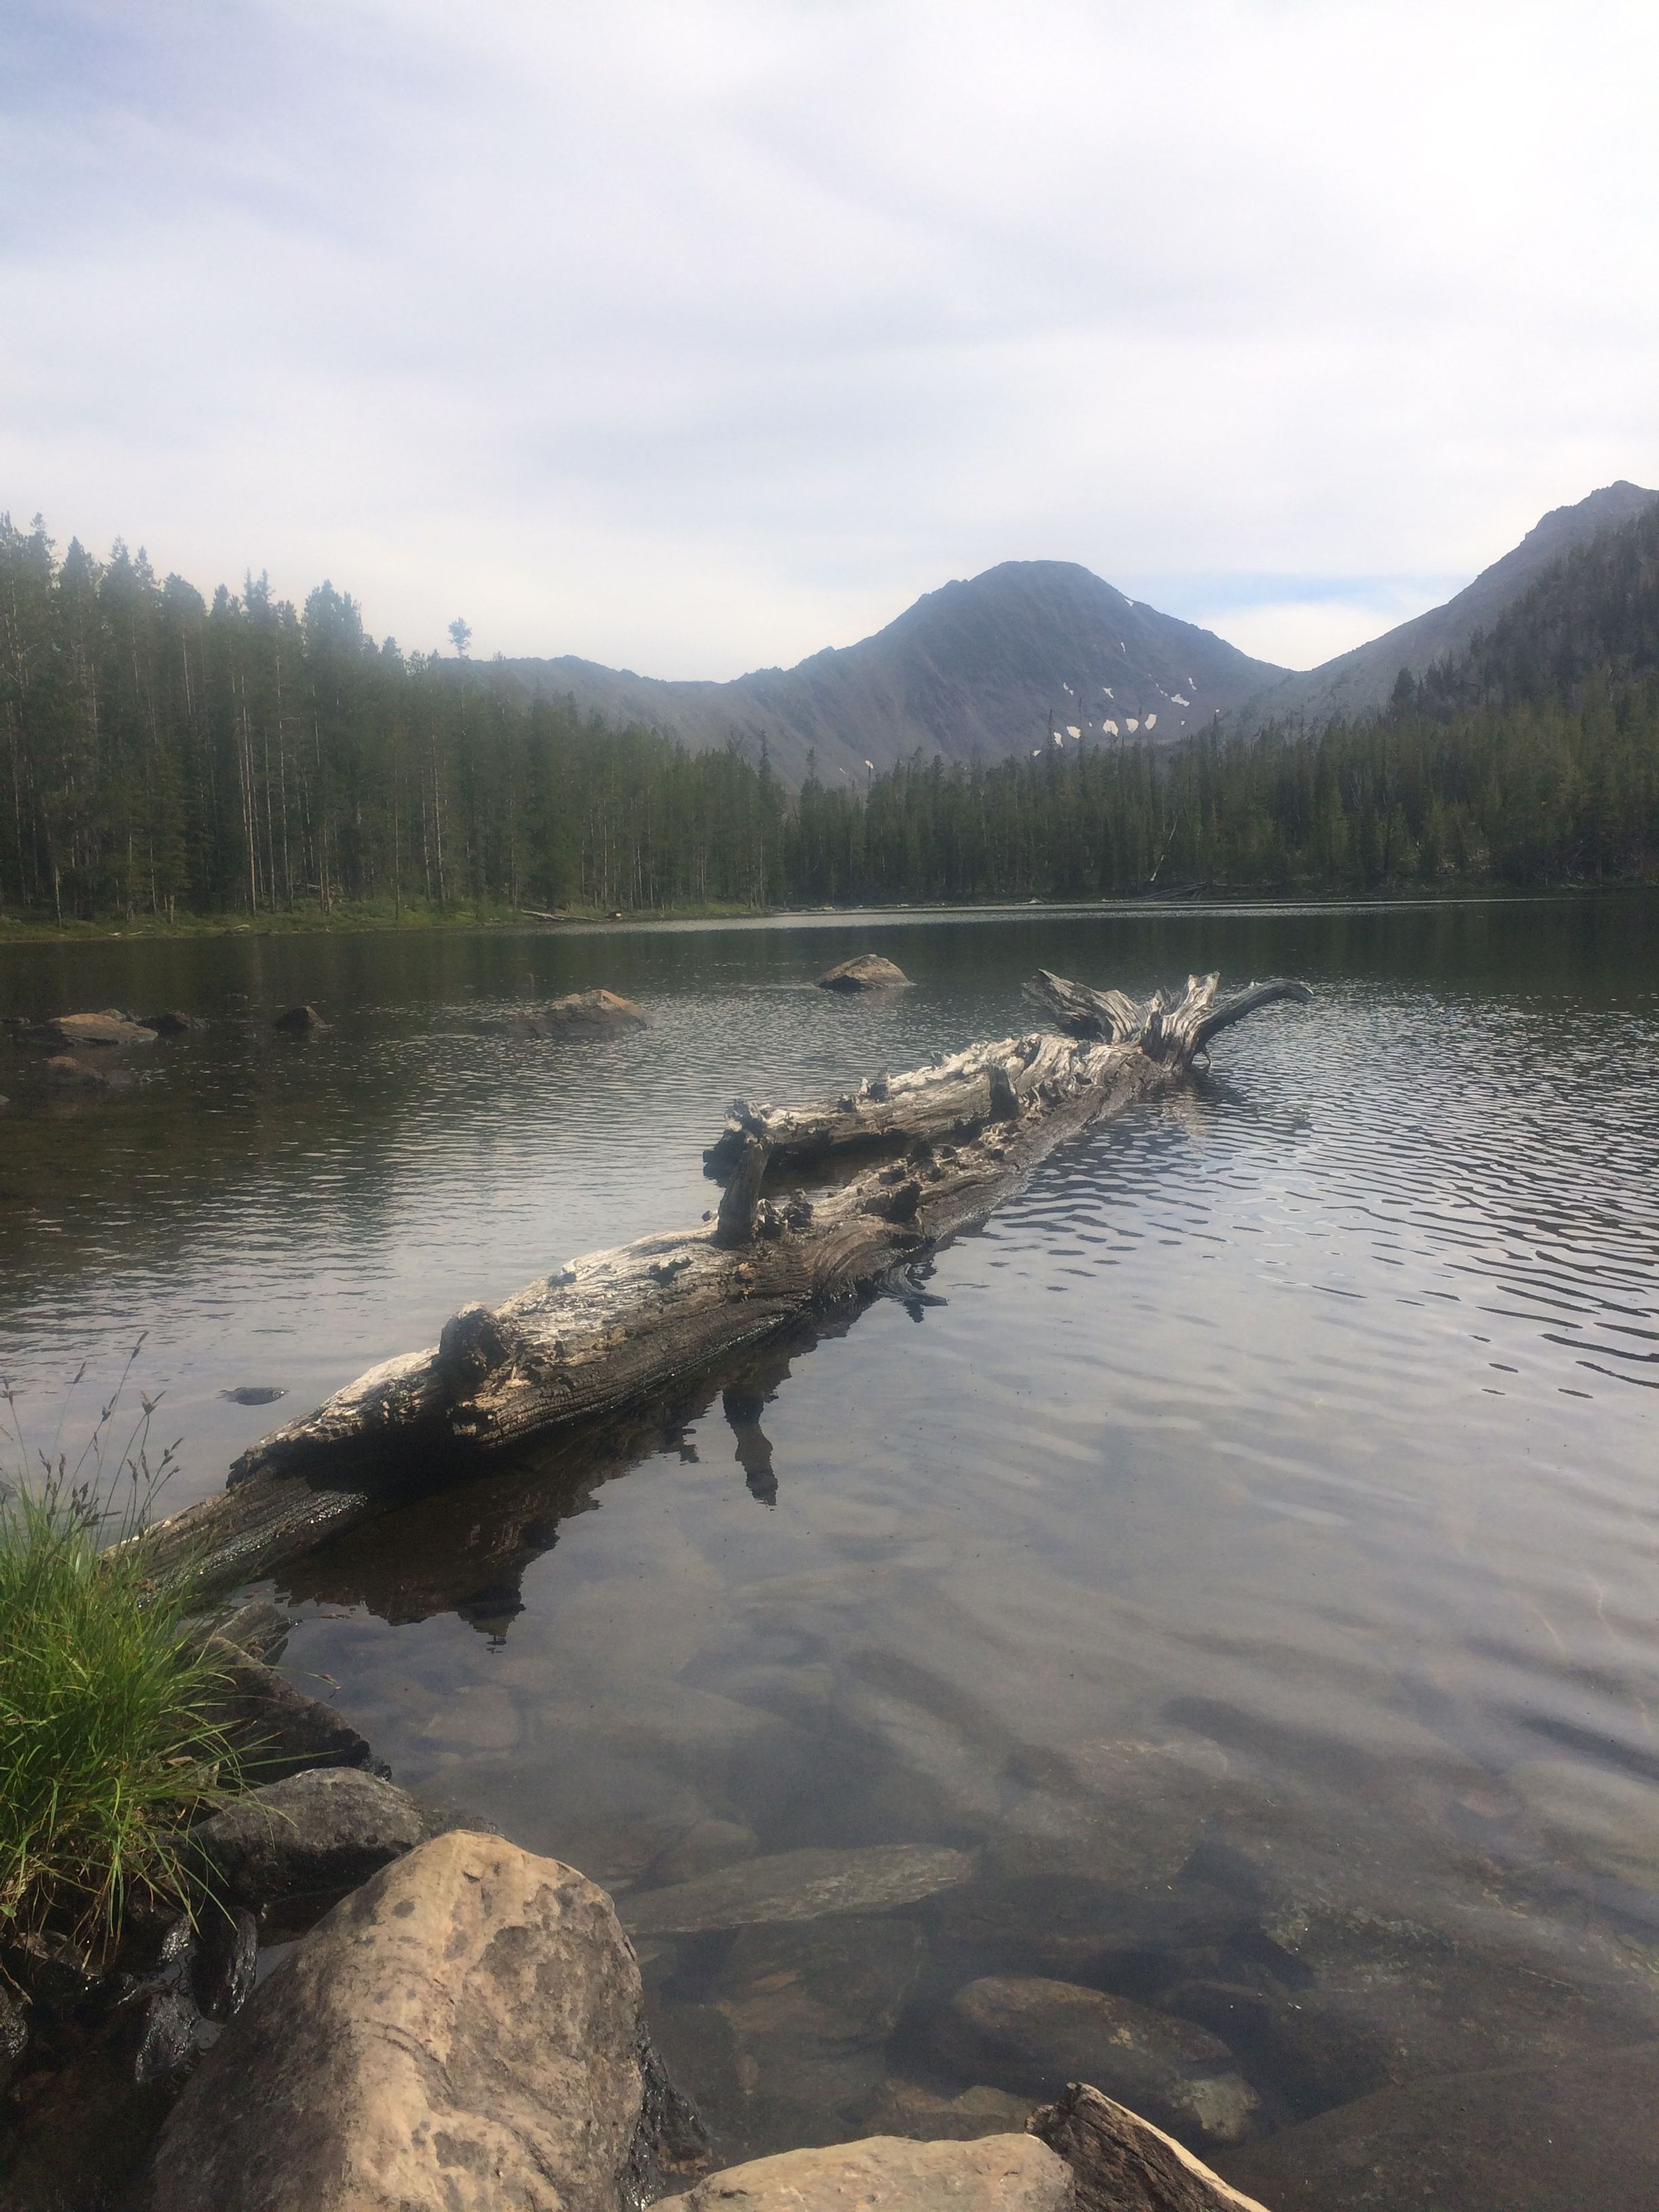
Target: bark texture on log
<point>608,1328</point>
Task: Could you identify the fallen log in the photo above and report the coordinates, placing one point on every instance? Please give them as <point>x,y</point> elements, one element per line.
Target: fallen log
<point>610,1329</point>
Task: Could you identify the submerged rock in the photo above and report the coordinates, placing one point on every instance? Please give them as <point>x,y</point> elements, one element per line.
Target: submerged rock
<point>1356,1999</point>
<point>1561,2138</point>
<point>704,1848</point>
<point>299,1021</point>
<point>328,1828</point>
<point>905,2108</point>
<point>587,1010</point>
<point>462,2034</point>
<point>810,2006</point>
<point>1070,1925</point>
<point>804,1885</point>
<point>64,1070</point>
<point>1121,2163</point>
<point>1025,2034</point>
<point>1607,1819</point>
<point>869,972</point>
<point>885,2174</point>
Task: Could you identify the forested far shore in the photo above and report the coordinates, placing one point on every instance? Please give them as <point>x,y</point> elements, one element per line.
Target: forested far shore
<point>167,756</point>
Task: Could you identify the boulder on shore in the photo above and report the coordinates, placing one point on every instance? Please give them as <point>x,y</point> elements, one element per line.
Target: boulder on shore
<point>582,1010</point>
<point>299,1021</point>
<point>77,1032</point>
<point>463,2034</point>
<point>888,2173</point>
<point>869,972</point>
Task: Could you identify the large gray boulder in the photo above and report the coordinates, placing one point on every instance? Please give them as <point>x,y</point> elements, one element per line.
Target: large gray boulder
<point>1023,2032</point>
<point>1121,2163</point>
<point>869,972</point>
<point>806,1885</point>
<point>887,2173</point>
<point>462,2034</point>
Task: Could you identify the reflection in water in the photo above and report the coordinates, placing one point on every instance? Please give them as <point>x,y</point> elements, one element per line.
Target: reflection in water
<point>1254,1560</point>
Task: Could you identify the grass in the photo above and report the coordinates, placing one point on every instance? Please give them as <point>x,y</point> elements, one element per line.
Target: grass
<point>107,1745</point>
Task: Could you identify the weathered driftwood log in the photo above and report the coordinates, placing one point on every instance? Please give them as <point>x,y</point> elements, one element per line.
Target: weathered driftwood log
<point>609,1328</point>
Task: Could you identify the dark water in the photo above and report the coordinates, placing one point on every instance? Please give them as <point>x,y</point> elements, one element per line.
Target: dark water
<point>1255,1557</point>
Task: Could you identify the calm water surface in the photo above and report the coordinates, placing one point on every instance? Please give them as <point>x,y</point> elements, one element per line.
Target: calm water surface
<point>1255,1550</point>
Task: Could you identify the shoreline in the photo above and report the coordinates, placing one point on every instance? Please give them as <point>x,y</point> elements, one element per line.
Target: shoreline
<point>367,919</point>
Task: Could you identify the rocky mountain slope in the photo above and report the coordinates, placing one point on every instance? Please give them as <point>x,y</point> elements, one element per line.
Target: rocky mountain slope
<point>1029,654</point>
<point>1358,685</point>
<point>1037,653</point>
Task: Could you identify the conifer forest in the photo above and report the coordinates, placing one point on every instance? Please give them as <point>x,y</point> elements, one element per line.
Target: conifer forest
<point>168,755</point>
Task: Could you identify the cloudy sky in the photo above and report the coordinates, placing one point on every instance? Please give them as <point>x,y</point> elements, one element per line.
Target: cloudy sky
<point>697,336</point>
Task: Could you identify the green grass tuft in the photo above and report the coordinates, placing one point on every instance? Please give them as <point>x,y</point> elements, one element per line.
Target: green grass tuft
<point>108,1747</point>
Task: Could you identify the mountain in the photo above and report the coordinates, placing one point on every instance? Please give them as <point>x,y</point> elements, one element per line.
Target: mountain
<point>1358,685</point>
<point>1030,654</point>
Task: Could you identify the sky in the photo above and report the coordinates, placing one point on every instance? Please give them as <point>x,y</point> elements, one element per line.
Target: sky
<point>693,337</point>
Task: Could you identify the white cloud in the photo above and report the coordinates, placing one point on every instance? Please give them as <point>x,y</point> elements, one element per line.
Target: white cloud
<point>698,336</point>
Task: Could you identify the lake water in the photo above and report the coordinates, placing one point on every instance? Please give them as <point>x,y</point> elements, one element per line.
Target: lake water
<point>1253,1559</point>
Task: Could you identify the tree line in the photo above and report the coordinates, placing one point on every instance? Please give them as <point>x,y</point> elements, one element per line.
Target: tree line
<point>166,755</point>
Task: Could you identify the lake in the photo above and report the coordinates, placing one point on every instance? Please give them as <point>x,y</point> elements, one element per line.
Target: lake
<point>1252,1557</point>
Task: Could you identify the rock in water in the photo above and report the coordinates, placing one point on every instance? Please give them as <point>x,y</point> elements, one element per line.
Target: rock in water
<point>800,1886</point>
<point>1023,2033</point>
<point>299,1021</point>
<point>168,1023</point>
<point>79,1032</point>
<point>885,2174</point>
<point>64,1070</point>
<point>462,2034</point>
<point>869,972</point>
<point>278,1728</point>
<point>329,1828</point>
<point>1121,2163</point>
<point>588,1010</point>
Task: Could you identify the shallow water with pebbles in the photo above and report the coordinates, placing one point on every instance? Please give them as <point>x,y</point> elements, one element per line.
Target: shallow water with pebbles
<point>1252,1560</point>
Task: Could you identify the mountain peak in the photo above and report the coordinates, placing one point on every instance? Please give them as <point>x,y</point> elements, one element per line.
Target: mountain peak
<point>1027,655</point>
